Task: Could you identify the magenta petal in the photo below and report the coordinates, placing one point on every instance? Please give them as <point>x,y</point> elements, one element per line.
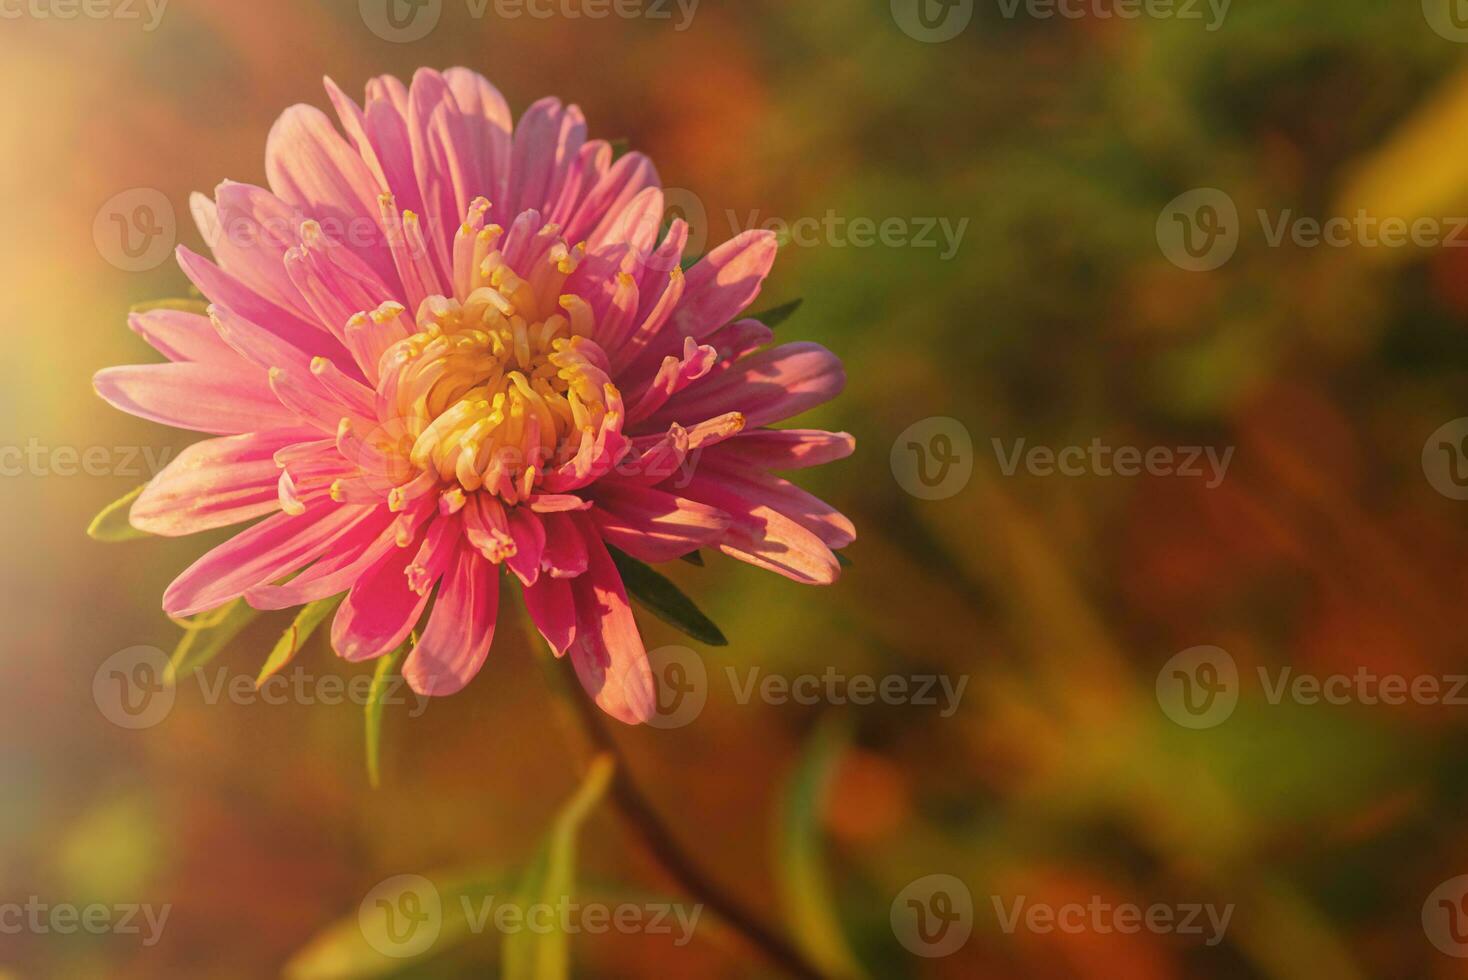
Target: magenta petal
<point>786,449</point>
<point>380,610</point>
<point>182,336</point>
<point>653,525</point>
<point>552,608</point>
<point>267,551</point>
<point>198,396</point>
<point>762,536</point>
<point>766,387</point>
<point>723,285</point>
<point>459,633</point>
<point>608,653</point>
<point>214,483</point>
<point>311,167</point>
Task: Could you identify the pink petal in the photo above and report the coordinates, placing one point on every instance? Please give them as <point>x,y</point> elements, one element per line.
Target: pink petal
<point>276,546</point>
<point>380,610</point>
<point>762,536</point>
<point>488,124</point>
<point>760,487</point>
<point>182,336</point>
<point>765,387</point>
<point>723,285</point>
<point>255,230</point>
<point>198,396</point>
<point>653,525</point>
<point>607,652</point>
<point>552,608</point>
<point>212,484</point>
<point>459,633</point>
<point>546,143</point>
<point>311,167</point>
<point>786,449</point>
<point>226,290</point>
<point>565,549</point>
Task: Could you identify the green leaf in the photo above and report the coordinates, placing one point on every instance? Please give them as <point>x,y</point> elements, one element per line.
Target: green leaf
<point>375,696</point>
<point>805,892</point>
<point>666,601</point>
<point>205,636</point>
<point>195,306</point>
<point>111,525</point>
<point>551,880</point>
<point>842,560</point>
<point>312,614</point>
<point>772,318</point>
<point>693,558</point>
<point>620,147</point>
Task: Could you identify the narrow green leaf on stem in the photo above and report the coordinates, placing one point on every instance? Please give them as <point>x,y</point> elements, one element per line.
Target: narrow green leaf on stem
<point>312,615</point>
<point>805,891</point>
<point>775,316</point>
<point>205,636</point>
<point>196,306</point>
<point>111,524</point>
<point>375,704</point>
<point>551,880</point>
<point>666,601</point>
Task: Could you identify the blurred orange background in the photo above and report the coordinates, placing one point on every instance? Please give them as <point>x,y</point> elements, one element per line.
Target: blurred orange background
<point>1057,600</point>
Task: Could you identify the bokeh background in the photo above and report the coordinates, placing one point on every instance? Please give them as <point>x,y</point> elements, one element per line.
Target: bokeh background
<point>1059,599</point>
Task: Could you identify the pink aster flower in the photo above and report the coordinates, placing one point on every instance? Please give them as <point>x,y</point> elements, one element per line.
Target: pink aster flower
<point>441,345</point>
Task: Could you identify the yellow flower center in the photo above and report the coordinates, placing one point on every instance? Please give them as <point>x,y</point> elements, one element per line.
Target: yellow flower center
<point>506,384</point>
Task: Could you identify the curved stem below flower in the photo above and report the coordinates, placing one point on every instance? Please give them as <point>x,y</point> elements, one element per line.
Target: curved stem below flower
<point>657,837</point>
